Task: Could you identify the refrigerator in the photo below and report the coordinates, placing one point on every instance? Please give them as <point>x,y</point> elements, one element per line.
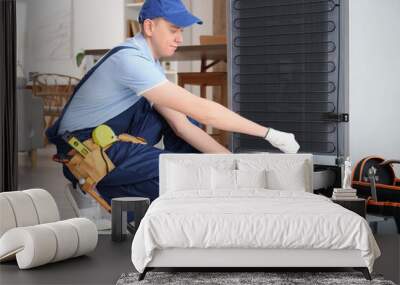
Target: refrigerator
<point>288,70</point>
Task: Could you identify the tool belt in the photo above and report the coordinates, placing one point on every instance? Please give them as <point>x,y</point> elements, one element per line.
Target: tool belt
<point>91,168</point>
<point>94,166</point>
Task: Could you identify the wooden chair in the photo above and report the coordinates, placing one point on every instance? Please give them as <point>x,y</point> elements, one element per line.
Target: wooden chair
<point>55,91</point>
<point>30,121</point>
<point>213,40</point>
<point>204,79</point>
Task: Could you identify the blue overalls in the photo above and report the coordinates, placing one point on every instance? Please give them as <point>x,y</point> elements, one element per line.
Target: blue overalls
<point>136,165</point>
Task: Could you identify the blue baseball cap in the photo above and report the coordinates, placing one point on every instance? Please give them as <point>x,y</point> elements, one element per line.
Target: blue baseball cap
<point>171,10</point>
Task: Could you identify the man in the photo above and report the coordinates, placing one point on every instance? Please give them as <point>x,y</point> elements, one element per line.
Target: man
<point>117,92</point>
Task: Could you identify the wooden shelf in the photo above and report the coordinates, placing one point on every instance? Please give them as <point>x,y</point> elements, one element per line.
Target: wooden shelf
<point>134,5</point>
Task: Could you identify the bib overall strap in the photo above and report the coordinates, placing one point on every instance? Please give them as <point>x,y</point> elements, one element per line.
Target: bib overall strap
<point>53,130</point>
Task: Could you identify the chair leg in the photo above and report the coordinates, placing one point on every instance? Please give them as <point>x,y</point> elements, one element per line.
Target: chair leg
<point>203,91</point>
<point>364,271</point>
<point>397,220</point>
<point>46,125</point>
<point>33,156</point>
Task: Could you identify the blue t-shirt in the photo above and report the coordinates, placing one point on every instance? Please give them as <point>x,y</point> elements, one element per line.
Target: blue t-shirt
<point>114,87</point>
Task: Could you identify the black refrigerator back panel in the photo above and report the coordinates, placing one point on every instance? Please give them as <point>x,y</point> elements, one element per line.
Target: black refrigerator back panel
<point>284,71</point>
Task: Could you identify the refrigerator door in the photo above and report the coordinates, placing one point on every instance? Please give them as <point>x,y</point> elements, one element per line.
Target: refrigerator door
<point>284,72</point>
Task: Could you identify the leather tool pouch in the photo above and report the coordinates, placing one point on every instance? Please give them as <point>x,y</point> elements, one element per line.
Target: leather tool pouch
<point>93,167</point>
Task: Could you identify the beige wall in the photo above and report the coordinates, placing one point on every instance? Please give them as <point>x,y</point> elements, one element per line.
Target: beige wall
<point>94,24</point>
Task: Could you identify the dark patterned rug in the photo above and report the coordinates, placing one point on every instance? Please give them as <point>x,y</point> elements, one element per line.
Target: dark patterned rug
<point>243,278</point>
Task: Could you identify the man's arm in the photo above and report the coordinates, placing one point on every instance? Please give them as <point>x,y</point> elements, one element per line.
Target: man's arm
<point>206,112</point>
<point>190,133</point>
<point>210,113</point>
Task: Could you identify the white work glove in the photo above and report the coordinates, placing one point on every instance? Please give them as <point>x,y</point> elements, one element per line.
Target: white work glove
<point>284,141</point>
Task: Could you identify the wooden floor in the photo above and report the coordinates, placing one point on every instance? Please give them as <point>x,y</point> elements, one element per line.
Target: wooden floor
<point>110,260</point>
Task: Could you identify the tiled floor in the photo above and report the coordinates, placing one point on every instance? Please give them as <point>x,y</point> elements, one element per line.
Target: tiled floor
<point>48,175</point>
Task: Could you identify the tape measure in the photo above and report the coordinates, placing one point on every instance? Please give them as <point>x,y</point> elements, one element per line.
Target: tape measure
<point>75,144</point>
<point>104,136</point>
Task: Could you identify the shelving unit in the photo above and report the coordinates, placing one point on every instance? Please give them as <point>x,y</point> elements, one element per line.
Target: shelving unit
<point>134,5</point>
<point>131,12</point>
